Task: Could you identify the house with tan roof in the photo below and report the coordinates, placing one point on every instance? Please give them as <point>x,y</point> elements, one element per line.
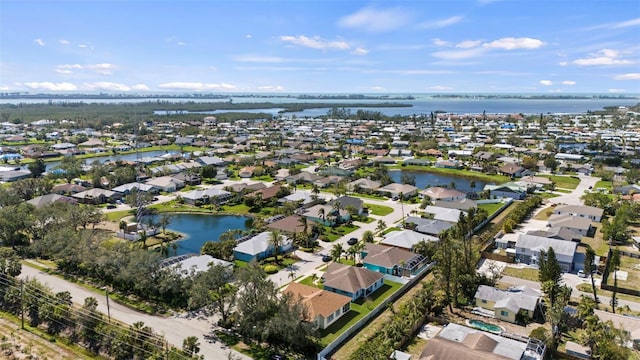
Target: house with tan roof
<point>458,342</point>
<point>630,325</point>
<point>395,189</point>
<point>323,307</point>
<point>351,281</point>
<point>443,194</point>
<point>363,184</point>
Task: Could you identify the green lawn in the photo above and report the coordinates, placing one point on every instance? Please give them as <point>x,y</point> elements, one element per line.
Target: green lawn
<point>524,273</point>
<point>359,309</point>
<point>566,182</point>
<point>368,196</point>
<point>491,208</point>
<point>117,215</point>
<point>333,234</point>
<point>388,230</point>
<point>363,219</point>
<point>379,210</point>
<point>308,280</point>
<point>236,209</point>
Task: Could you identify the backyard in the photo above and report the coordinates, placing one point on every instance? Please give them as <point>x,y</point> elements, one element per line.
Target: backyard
<point>378,210</point>
<point>565,182</point>
<point>490,208</point>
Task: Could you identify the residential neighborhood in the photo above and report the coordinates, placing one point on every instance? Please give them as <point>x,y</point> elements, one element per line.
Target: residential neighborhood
<point>490,233</point>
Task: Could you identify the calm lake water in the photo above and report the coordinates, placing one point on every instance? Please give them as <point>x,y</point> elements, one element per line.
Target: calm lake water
<point>106,158</point>
<point>199,228</point>
<point>424,178</point>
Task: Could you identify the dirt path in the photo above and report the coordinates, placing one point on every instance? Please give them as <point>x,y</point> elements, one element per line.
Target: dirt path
<point>21,344</point>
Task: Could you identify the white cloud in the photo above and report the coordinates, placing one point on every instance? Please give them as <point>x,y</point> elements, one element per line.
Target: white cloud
<point>82,46</point>
<point>438,24</point>
<point>629,76</point>
<point>439,42</point>
<point>315,42</point>
<point>563,63</point>
<point>4,88</point>
<point>360,51</point>
<point>106,86</point>
<point>376,20</point>
<point>271,88</point>
<point>248,36</point>
<point>568,82</point>
<point>140,87</point>
<point>603,57</point>
<point>458,54</point>
<point>546,82</point>
<point>377,88</point>
<point>628,23</point>
<point>511,43</point>
<point>467,44</point>
<point>49,86</point>
<point>616,90</point>
<point>64,42</point>
<point>195,86</point>
<point>39,41</point>
<point>102,69</point>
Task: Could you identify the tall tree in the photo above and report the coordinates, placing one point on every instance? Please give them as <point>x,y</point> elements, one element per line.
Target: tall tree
<point>276,240</point>
<point>614,263</point>
<point>589,268</point>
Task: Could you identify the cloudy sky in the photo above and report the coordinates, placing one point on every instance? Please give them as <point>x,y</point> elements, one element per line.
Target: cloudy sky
<point>479,46</point>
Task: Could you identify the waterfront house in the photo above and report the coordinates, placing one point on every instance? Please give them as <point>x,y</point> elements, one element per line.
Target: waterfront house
<point>363,184</point>
<point>43,200</point>
<point>97,196</point>
<point>513,170</point>
<point>323,307</point>
<point>166,183</point>
<point>507,190</point>
<point>443,194</point>
<point>260,247</point>
<point>207,196</point>
<point>395,189</point>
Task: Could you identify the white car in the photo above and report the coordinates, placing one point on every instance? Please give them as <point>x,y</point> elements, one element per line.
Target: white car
<point>581,274</point>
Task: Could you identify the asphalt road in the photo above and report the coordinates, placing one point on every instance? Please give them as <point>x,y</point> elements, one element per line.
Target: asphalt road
<point>174,329</point>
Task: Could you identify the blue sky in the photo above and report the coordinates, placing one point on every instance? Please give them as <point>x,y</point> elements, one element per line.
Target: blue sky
<point>479,46</point>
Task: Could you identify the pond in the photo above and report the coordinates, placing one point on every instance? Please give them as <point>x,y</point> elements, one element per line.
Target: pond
<point>199,228</point>
<point>123,157</point>
<point>424,179</point>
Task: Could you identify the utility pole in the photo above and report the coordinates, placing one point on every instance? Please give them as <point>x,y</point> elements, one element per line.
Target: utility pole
<point>106,291</point>
<point>22,302</point>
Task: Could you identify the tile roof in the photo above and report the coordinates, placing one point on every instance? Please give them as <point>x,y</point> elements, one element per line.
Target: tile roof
<point>318,301</point>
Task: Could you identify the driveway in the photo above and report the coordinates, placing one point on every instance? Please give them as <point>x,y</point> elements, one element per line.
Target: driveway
<point>573,198</point>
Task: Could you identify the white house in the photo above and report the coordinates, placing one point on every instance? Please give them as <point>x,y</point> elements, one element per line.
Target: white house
<point>529,247</point>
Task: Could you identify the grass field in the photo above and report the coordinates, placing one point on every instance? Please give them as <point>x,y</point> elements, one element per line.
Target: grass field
<point>491,208</point>
<point>566,182</point>
<point>524,273</point>
<point>378,210</point>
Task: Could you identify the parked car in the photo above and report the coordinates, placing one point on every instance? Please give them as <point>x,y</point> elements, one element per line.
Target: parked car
<point>581,274</point>
<point>352,241</point>
<point>326,258</point>
<point>111,206</point>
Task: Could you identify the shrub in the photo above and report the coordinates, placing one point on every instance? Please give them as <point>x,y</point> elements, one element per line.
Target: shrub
<point>270,269</point>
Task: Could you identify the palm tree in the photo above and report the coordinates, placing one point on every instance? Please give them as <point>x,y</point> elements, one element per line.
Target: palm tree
<point>314,278</point>
<point>381,226</point>
<point>163,222</point>
<point>367,236</point>
<point>336,252</point>
<point>589,256</point>
<point>315,191</point>
<point>275,240</point>
<point>321,214</point>
<point>123,226</point>
<point>351,252</point>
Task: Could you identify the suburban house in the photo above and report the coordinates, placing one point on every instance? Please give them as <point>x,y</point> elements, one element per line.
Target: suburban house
<point>589,212</point>
<point>207,196</point>
<point>406,239</point>
<point>347,202</point>
<point>508,190</point>
<point>559,233</point>
<point>528,249</point>
<point>395,189</point>
<point>126,189</point>
<point>629,324</point>
<point>290,224</point>
<point>326,214</point>
<point>324,307</point>
<point>166,183</point>
<point>508,305</point>
<point>440,193</point>
<point>391,260</point>
<point>364,184</point>
<point>458,342</point>
<point>351,281</point>
<point>443,214</point>
<point>246,172</point>
<point>188,265</point>
<point>427,226</point>
<point>97,196</point>
<point>43,200</point>
<point>514,170</point>
<point>463,205</point>
<point>578,225</point>
<point>301,196</point>
<point>266,193</point>
<point>259,247</point>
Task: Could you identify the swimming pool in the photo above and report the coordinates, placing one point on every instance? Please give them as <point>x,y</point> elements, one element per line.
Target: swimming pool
<point>478,324</point>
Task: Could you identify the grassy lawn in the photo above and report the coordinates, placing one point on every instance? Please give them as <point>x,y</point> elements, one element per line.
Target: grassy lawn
<point>544,214</point>
<point>379,210</point>
<point>236,209</point>
<point>491,208</point>
<point>117,215</point>
<point>604,184</point>
<point>364,219</point>
<point>308,280</point>
<point>632,267</point>
<point>368,196</point>
<point>566,182</point>
<point>597,243</point>
<point>388,230</point>
<point>333,234</point>
<point>546,195</point>
<point>359,309</point>
<point>586,287</point>
<point>524,273</point>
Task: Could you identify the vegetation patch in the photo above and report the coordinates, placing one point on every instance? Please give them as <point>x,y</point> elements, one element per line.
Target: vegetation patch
<point>379,210</point>
<point>490,208</point>
<point>566,182</point>
<point>521,273</point>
